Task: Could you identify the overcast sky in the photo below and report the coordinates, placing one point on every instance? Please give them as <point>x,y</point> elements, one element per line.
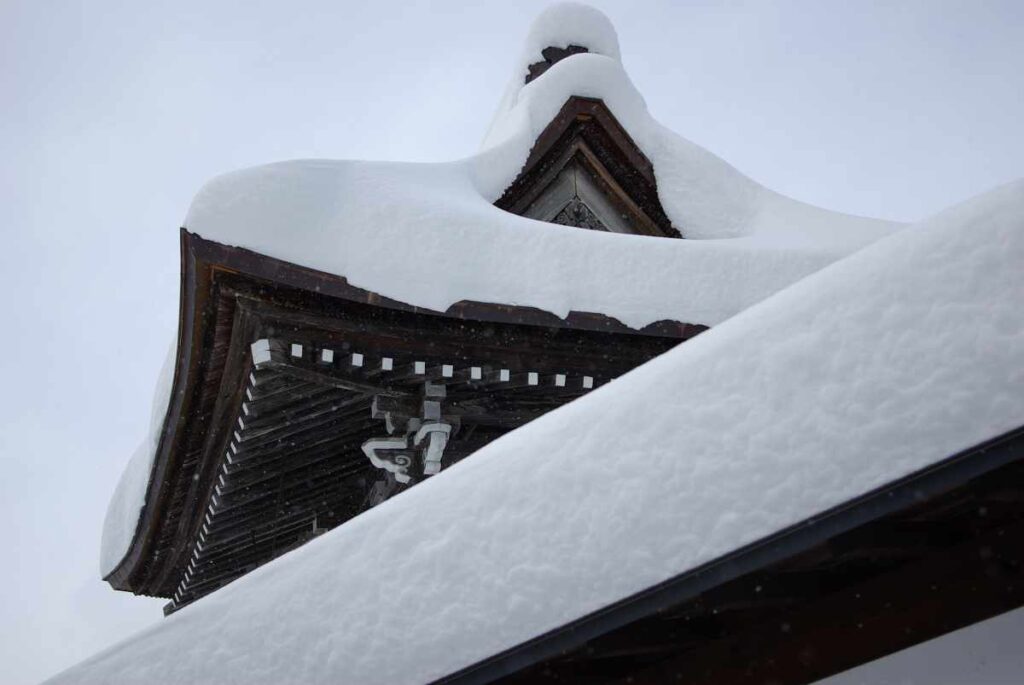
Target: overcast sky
<point>113,113</point>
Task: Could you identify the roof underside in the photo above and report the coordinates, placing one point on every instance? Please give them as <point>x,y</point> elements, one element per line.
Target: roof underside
<point>261,454</point>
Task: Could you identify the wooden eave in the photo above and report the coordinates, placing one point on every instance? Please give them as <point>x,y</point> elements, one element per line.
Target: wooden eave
<point>230,297</point>
<point>927,554</point>
<point>585,130</point>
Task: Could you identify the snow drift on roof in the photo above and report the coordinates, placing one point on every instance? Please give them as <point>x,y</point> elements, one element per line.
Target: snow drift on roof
<point>125,507</point>
<point>429,235</point>
<point>559,26</point>
<point>568,23</point>
<point>873,368</point>
<point>703,195</point>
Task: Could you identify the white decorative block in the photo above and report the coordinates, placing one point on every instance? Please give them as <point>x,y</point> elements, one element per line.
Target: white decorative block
<point>260,354</point>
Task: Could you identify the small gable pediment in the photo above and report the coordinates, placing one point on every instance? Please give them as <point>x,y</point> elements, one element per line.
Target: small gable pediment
<point>585,171</point>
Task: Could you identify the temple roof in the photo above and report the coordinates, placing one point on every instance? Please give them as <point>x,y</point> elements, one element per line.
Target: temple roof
<point>571,142</point>
<point>810,399</point>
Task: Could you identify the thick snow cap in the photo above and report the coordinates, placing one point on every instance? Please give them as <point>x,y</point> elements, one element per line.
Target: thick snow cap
<point>570,23</point>
<point>369,221</point>
<point>703,195</point>
<point>559,26</point>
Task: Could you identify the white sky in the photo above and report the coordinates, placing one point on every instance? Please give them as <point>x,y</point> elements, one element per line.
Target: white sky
<point>113,113</point>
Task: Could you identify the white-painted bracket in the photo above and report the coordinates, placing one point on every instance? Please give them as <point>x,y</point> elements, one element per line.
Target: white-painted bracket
<point>436,436</point>
<point>395,462</point>
<point>260,354</point>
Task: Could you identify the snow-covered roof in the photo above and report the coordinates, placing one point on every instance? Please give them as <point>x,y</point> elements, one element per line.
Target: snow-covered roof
<point>428,234</point>
<point>871,369</point>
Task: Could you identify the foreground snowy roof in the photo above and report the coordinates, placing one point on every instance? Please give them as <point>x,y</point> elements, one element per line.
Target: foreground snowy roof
<point>873,368</point>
